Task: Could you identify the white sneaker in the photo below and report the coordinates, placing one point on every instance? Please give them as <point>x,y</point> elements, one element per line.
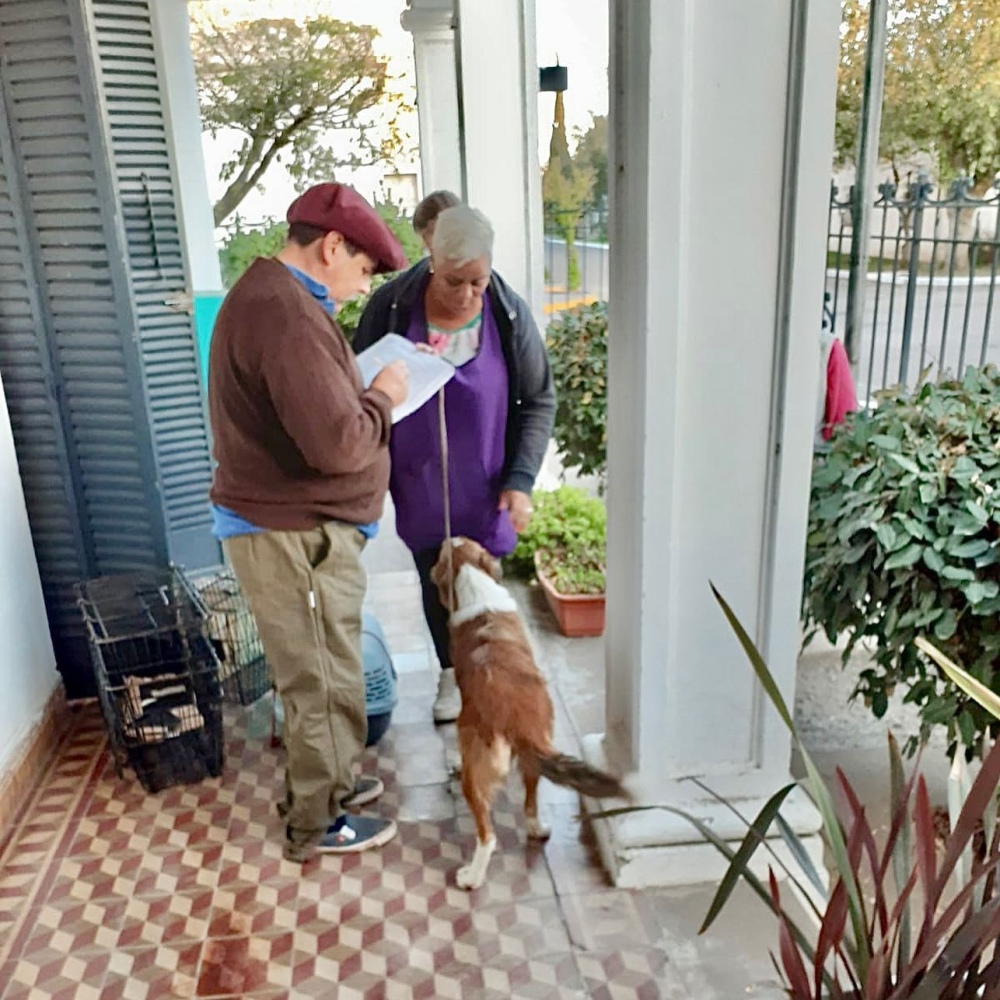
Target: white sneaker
<point>448,702</point>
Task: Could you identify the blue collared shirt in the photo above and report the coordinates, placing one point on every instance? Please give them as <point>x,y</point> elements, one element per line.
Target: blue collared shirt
<point>315,288</point>
<point>227,523</point>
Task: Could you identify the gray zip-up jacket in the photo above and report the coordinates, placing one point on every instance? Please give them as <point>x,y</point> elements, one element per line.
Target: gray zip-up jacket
<point>532,404</point>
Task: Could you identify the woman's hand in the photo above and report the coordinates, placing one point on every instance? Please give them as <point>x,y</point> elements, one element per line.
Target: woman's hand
<point>518,505</point>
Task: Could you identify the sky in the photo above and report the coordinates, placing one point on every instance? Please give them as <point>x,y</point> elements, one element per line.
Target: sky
<point>573,31</point>
<point>576,33</point>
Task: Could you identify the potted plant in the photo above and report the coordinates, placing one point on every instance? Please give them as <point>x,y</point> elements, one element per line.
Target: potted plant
<point>564,548</point>
<point>904,539</point>
<point>573,584</point>
<point>899,921</point>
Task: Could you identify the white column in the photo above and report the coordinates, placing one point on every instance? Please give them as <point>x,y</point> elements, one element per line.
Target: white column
<point>182,113</point>
<point>720,165</point>
<point>180,97</point>
<point>499,101</point>
<point>477,87</point>
<point>432,24</point>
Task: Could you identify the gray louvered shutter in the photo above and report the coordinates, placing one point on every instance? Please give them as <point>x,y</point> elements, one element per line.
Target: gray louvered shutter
<point>144,173</point>
<point>97,370</point>
<point>29,373</point>
<point>55,166</point>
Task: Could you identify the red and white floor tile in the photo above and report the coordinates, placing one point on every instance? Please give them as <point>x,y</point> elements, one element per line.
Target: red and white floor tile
<point>107,892</point>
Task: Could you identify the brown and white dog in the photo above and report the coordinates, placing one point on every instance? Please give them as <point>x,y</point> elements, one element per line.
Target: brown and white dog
<point>506,708</point>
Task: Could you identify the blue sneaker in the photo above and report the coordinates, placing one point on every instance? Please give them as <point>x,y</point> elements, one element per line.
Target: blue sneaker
<point>365,790</point>
<point>351,834</point>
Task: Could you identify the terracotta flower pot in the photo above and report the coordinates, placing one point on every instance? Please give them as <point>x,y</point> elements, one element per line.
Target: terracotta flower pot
<point>578,615</point>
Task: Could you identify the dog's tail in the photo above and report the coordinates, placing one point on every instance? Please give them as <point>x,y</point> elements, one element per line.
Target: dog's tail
<point>574,773</point>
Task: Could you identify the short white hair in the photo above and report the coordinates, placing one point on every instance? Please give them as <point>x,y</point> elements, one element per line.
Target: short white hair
<point>462,235</point>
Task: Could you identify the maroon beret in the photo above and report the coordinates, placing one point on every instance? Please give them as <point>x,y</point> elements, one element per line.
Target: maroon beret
<point>336,208</point>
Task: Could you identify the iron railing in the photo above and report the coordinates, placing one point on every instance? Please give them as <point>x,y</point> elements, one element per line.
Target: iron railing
<point>576,258</point>
<point>930,287</point>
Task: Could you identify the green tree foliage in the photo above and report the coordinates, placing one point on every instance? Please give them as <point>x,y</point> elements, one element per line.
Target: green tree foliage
<point>286,87</point>
<point>942,84</point>
<point>566,191</point>
<point>592,154</point>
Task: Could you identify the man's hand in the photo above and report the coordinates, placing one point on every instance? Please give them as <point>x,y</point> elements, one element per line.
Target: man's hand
<point>519,506</point>
<point>394,381</point>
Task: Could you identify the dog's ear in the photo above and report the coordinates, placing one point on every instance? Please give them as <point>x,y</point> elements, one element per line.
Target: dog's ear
<point>491,566</point>
<point>439,572</point>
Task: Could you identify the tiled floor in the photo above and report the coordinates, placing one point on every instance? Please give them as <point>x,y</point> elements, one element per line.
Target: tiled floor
<point>107,892</point>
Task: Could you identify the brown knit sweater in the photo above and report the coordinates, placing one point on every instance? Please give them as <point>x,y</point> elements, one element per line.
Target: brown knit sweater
<point>298,440</point>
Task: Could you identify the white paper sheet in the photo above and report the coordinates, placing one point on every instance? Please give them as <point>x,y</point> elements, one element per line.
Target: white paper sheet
<point>428,372</point>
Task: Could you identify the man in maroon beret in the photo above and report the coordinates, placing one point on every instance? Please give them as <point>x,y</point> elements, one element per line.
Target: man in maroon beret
<point>303,469</point>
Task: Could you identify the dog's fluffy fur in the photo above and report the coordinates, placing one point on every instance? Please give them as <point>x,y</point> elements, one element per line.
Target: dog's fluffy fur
<point>506,708</point>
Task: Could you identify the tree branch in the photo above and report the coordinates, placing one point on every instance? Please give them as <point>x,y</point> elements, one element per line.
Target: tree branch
<point>283,85</point>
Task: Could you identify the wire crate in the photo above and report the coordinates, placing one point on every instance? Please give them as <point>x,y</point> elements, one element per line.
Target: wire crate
<point>157,676</point>
<point>136,606</point>
<point>246,676</point>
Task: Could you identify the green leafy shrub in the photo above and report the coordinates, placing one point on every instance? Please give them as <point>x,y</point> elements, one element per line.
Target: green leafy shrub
<point>568,531</point>
<point>402,226</point>
<point>577,342</point>
<point>244,245</point>
<point>904,540</point>
<point>349,314</point>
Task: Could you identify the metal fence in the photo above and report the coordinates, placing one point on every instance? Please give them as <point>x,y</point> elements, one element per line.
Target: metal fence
<point>931,282</point>
<point>576,259</point>
<point>930,293</point>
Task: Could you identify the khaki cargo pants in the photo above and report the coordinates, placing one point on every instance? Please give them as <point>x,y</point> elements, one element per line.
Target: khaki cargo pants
<point>306,590</point>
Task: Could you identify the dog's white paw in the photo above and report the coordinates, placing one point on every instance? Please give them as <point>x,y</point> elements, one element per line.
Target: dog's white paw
<point>469,878</point>
<point>537,830</point>
<point>473,875</point>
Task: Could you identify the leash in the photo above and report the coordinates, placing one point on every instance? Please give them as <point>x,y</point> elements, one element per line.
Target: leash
<point>446,487</point>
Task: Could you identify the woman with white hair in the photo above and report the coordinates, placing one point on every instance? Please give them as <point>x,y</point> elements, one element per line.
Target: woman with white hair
<point>499,408</point>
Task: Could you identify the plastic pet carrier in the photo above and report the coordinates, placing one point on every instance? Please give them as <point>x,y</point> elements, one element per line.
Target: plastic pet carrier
<point>380,678</point>
<point>380,684</point>
<point>157,676</point>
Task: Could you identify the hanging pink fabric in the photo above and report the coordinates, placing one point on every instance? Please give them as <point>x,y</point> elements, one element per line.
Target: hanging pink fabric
<point>841,397</point>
